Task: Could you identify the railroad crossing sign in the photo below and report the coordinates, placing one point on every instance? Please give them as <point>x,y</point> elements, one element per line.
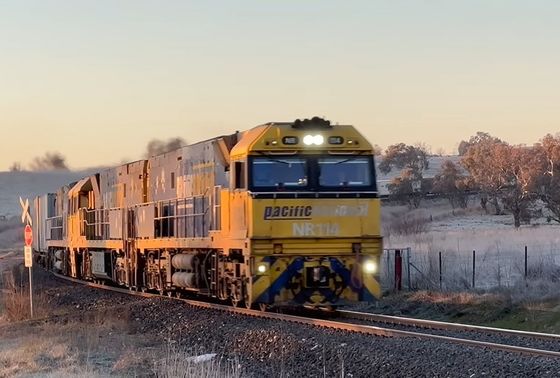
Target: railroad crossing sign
<point>27,250</point>
<point>28,256</point>
<point>28,235</point>
<point>25,216</point>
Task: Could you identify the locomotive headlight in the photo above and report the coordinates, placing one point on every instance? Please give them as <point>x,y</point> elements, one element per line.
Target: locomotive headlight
<point>370,266</point>
<point>261,268</point>
<point>317,140</point>
<point>308,140</point>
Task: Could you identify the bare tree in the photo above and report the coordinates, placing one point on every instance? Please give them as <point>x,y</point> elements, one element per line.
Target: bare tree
<point>440,151</point>
<point>522,169</point>
<point>158,146</point>
<point>16,167</point>
<point>51,161</point>
<point>550,180</point>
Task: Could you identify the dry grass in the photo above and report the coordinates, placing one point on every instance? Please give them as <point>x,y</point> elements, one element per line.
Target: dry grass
<point>97,343</point>
<point>94,345</point>
<point>180,363</point>
<point>14,302</point>
<point>30,355</point>
<point>406,225</point>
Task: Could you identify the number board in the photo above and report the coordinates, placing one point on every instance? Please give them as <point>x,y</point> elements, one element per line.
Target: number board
<point>336,140</point>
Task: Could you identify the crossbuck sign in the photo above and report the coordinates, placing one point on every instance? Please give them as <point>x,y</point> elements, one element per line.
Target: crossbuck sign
<point>25,216</point>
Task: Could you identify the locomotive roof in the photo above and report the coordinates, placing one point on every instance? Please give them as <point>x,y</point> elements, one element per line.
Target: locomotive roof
<point>271,138</point>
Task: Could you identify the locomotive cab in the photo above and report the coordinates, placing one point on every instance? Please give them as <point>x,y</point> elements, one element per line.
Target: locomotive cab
<point>303,199</point>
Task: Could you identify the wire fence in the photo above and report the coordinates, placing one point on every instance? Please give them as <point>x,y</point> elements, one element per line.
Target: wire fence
<point>403,269</point>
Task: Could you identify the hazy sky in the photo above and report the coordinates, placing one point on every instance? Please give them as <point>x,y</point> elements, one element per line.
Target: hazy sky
<point>97,80</point>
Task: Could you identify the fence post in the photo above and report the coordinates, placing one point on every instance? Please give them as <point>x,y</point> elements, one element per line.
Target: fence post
<point>473,266</point>
<point>440,273</point>
<point>408,268</point>
<point>388,265</point>
<point>525,263</point>
<point>398,270</point>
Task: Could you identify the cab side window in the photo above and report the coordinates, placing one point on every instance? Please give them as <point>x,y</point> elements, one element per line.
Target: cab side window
<point>240,181</point>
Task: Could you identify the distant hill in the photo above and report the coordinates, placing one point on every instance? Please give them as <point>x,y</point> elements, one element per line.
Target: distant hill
<point>30,184</point>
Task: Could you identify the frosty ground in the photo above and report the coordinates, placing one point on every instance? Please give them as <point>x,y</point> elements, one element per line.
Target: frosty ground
<point>505,294</point>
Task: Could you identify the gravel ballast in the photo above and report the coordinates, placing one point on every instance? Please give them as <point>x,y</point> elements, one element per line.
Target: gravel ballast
<point>265,347</point>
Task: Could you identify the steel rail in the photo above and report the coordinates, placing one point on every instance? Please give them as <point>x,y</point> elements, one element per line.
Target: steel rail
<point>350,327</point>
<point>422,323</point>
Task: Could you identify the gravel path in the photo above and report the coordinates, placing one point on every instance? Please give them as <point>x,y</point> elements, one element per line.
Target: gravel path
<point>271,348</point>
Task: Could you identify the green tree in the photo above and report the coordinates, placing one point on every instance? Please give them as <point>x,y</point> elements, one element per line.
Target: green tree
<point>412,162</point>
<point>480,137</point>
<point>507,174</point>
<point>451,184</point>
<point>483,170</point>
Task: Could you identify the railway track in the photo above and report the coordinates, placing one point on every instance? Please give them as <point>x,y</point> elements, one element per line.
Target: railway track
<point>515,338</point>
<point>352,326</point>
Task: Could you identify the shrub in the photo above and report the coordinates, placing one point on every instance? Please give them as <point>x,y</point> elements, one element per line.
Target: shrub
<point>408,225</point>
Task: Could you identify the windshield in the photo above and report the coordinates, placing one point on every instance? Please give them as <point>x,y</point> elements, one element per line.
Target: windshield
<point>312,173</point>
<point>344,172</point>
<point>279,173</point>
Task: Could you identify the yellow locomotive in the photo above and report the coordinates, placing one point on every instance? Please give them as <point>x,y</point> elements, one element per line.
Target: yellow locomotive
<point>282,214</point>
